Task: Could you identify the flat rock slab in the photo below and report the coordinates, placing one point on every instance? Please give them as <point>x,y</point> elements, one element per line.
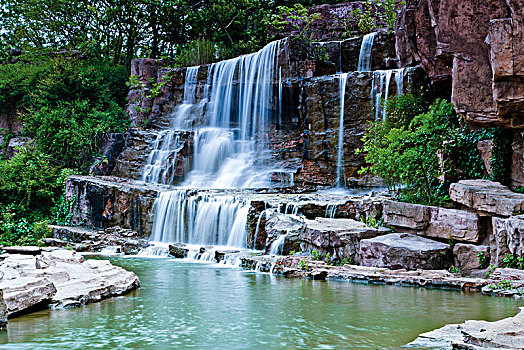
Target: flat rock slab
<point>339,237</point>
<point>60,278</point>
<point>404,251</point>
<point>487,197</point>
<point>504,334</point>
<point>434,222</point>
<point>26,250</point>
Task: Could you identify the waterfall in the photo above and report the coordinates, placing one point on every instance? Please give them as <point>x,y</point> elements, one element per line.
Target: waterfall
<point>380,89</point>
<point>342,79</point>
<point>277,247</point>
<point>229,151</point>
<point>185,217</point>
<point>366,48</point>
<point>161,162</point>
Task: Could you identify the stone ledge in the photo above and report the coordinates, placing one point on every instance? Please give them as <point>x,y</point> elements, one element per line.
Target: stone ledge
<point>487,197</point>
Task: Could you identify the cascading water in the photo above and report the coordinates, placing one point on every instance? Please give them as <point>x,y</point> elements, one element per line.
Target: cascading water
<point>366,48</point>
<point>342,79</point>
<point>161,162</point>
<point>186,217</point>
<point>229,151</point>
<point>380,89</point>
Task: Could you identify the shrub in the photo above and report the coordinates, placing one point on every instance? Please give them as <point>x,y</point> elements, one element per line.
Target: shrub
<point>404,150</point>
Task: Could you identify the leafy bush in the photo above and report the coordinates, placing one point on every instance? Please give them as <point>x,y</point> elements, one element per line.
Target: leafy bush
<point>201,51</point>
<point>413,151</point>
<point>375,14</point>
<point>15,230</point>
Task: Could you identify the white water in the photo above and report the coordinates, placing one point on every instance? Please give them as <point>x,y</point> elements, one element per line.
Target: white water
<point>277,246</point>
<point>380,89</point>
<point>342,79</point>
<point>162,160</point>
<point>366,49</point>
<point>186,217</point>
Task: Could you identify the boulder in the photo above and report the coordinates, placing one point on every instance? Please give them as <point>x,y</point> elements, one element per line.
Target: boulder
<point>61,278</point>
<point>407,215</point>
<point>487,197</point>
<point>466,256</point>
<point>339,237</point>
<point>404,251</point>
<point>435,222</point>
<point>3,311</point>
<point>25,293</point>
<point>284,230</point>
<point>179,251</point>
<point>507,238</point>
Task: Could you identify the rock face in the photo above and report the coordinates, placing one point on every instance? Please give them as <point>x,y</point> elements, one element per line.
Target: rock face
<point>339,237</point>
<point>404,251</point>
<point>3,311</point>
<point>435,222</point>
<point>108,201</point>
<point>487,197</point>
<point>476,44</point>
<point>507,238</point>
<point>517,160</point>
<point>287,228</point>
<point>61,278</point>
<point>466,256</point>
<point>112,145</point>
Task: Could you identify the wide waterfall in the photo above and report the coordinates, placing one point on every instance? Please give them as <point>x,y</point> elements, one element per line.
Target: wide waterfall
<point>366,48</point>
<point>186,217</point>
<point>229,151</point>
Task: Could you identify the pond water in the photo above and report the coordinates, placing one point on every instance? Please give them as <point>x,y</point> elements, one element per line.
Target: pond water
<point>190,305</point>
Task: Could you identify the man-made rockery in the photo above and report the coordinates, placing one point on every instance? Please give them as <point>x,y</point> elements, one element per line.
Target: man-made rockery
<point>60,278</point>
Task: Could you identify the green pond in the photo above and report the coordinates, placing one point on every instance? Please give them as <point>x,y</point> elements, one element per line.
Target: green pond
<point>189,305</point>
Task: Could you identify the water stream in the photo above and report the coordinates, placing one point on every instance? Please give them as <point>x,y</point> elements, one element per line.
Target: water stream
<point>202,306</point>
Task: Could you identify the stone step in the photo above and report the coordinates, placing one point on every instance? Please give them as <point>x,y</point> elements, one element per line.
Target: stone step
<point>487,197</point>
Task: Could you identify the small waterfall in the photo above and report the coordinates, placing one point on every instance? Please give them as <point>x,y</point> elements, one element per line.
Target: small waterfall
<point>277,247</point>
<point>380,89</point>
<point>331,210</point>
<point>366,48</point>
<point>162,160</point>
<point>185,217</point>
<point>342,79</point>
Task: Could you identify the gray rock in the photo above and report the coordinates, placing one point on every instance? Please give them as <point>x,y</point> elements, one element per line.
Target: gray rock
<point>404,251</point>
<point>287,228</point>
<point>466,256</point>
<point>25,250</point>
<point>507,238</point>
<point>487,197</point>
<point>408,215</point>
<point>179,251</point>
<point>3,311</point>
<point>61,278</point>
<point>339,237</point>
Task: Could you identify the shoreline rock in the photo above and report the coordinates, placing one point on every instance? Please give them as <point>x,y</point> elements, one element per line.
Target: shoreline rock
<point>58,278</point>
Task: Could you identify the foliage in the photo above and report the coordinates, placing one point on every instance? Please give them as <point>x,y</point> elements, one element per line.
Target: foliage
<point>504,285</point>
<point>304,265</point>
<point>201,51</point>
<point>71,106</point>
<point>483,261</point>
<point>371,220</point>
<point>514,262</point>
<point>520,189</point>
<point>453,269</point>
<point>374,14</point>
<point>316,255</point>
<point>501,156</point>
<point>420,150</point>
<point>15,230</point>
<point>301,20</point>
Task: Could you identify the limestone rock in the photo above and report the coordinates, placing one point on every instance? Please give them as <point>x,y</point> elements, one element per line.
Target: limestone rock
<point>487,197</point>
<point>414,216</point>
<point>179,251</point>
<point>404,251</point>
<point>517,160</point>
<point>62,278</point>
<point>466,256</point>
<point>22,293</point>
<point>507,238</point>
<point>339,237</point>
<point>435,222</point>
<point>3,311</point>
<point>287,228</point>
